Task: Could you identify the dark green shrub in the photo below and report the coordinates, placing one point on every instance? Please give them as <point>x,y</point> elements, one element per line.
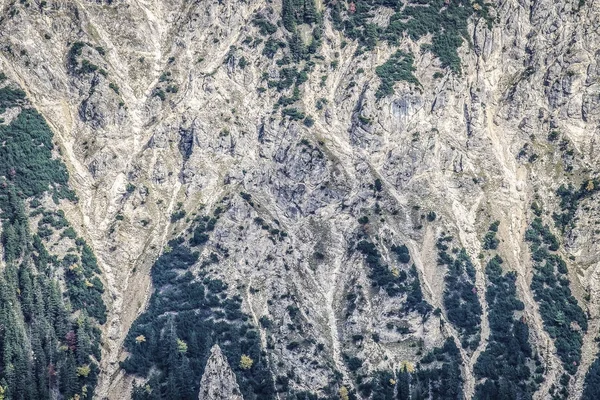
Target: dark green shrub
<point>563,319</point>
<point>505,362</point>
<point>460,295</point>
<point>309,121</point>
<point>398,68</point>
<point>198,312</point>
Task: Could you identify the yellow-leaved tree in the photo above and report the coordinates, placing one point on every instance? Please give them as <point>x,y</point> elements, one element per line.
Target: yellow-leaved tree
<point>407,366</point>
<point>84,370</point>
<point>246,362</point>
<point>344,393</point>
<point>181,346</point>
<point>590,186</point>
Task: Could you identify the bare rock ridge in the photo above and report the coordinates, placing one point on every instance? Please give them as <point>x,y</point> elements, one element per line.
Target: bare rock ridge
<point>218,381</point>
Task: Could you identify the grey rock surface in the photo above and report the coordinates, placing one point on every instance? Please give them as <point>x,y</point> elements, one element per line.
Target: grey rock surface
<point>459,146</point>
<point>218,381</point>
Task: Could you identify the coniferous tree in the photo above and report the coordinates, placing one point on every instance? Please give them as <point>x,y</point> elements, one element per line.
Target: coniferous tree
<point>403,385</point>
<point>288,15</point>
<point>310,12</point>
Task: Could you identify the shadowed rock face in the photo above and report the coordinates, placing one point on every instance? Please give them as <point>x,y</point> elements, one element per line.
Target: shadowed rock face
<point>172,120</point>
<point>218,381</point>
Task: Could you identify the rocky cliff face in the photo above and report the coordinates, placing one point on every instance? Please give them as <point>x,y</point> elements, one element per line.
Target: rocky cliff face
<point>335,202</point>
<point>218,381</point>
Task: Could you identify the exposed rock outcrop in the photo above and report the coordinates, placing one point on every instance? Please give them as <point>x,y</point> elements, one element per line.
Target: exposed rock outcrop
<point>165,121</point>
<point>218,381</point>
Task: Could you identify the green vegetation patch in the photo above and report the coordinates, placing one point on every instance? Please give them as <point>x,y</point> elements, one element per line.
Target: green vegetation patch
<point>570,199</point>
<point>295,12</point>
<point>398,68</point>
<point>490,242</point>
<point>504,366</point>
<point>446,21</point>
<point>563,319</point>
<point>460,295</point>
<point>26,158</point>
<point>436,377</point>
<point>84,66</point>
<point>591,386</point>
<point>10,96</point>
<point>397,280</point>
<point>49,342</point>
<point>296,60</point>
<point>170,342</point>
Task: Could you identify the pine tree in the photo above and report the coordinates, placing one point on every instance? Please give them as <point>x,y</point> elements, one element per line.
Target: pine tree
<point>403,385</point>
<point>297,46</point>
<point>310,12</point>
<point>10,242</point>
<point>592,382</point>
<point>288,15</point>
<point>26,291</point>
<point>68,376</point>
<point>34,362</point>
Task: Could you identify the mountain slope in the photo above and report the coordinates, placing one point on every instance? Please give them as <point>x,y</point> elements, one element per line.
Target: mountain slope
<point>353,156</point>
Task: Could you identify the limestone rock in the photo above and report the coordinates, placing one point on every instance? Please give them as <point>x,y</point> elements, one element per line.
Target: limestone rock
<point>218,381</point>
<point>472,147</point>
